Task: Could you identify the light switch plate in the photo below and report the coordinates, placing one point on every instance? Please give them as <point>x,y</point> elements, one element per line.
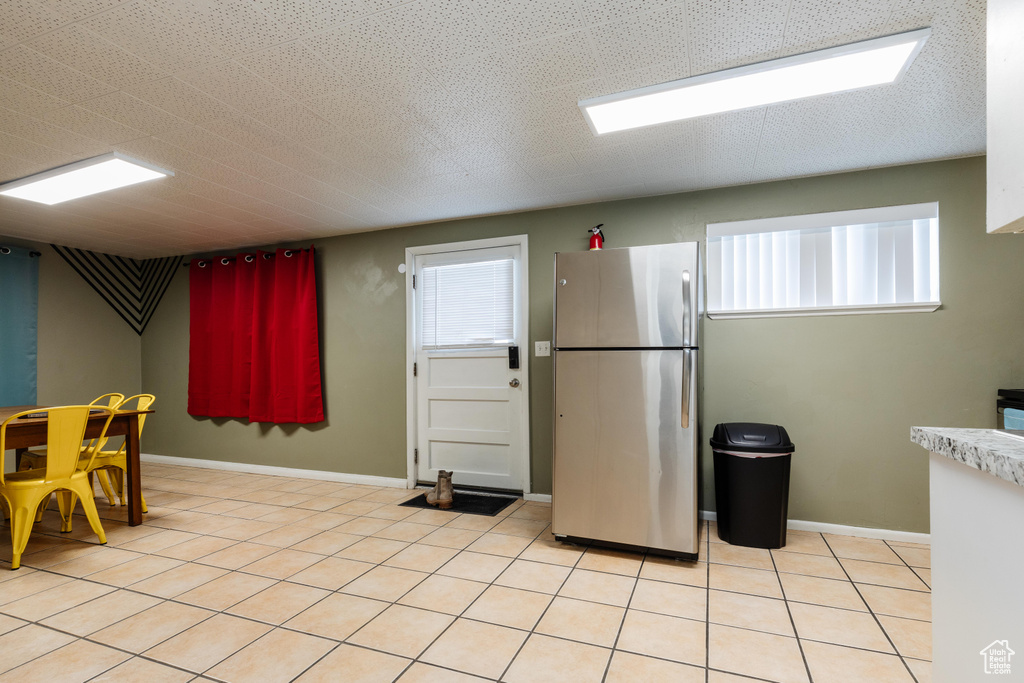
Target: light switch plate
<point>542,348</point>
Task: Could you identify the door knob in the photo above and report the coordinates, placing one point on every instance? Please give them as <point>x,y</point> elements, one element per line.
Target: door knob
<point>514,382</point>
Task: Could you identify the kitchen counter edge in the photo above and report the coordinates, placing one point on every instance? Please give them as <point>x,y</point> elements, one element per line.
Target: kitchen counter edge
<point>983,449</point>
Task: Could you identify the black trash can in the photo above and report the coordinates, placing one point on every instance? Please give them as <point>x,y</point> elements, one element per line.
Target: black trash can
<point>752,483</point>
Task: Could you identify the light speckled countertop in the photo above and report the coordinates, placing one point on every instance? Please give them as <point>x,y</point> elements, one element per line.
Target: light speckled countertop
<point>983,449</point>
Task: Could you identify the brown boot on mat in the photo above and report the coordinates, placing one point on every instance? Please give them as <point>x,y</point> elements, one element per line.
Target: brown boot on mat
<point>441,495</point>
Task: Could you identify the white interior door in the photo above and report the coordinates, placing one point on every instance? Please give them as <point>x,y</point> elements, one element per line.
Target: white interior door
<point>471,413</point>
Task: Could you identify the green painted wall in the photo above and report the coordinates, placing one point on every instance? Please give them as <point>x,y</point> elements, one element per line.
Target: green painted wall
<point>848,388</point>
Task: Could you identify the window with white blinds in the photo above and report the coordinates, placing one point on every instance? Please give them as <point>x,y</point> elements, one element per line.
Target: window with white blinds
<point>468,304</point>
<point>865,261</point>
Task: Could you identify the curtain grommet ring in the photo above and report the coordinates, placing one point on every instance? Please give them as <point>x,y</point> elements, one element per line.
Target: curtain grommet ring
<point>288,253</point>
<point>225,261</point>
<point>266,257</point>
<point>5,250</point>
<point>249,258</point>
<point>202,264</point>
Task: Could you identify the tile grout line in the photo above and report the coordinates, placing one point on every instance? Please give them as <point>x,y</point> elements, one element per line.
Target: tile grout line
<point>871,611</point>
<point>910,567</point>
<point>792,621</point>
<point>707,600</point>
<point>533,629</point>
<point>625,613</point>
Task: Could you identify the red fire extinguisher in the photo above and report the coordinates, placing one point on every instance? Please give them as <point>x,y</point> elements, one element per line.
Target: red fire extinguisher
<point>596,238</point>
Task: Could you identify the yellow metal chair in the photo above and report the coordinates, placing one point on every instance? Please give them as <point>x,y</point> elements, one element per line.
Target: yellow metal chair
<point>36,459</point>
<point>24,491</point>
<point>116,462</point>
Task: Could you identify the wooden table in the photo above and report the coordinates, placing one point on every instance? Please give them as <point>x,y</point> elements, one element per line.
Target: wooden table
<point>23,434</point>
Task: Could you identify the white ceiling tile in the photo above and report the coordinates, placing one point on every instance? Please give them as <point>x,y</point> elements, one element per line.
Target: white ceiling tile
<point>600,11</point>
<point>486,80</point>
<point>234,27</point>
<point>142,29</point>
<point>91,125</point>
<point>179,98</point>
<point>969,141</point>
<point>38,71</point>
<point>299,158</point>
<point>523,21</point>
<point>294,68</point>
<point>381,5</point>
<point>363,53</point>
<point>75,10</point>
<point>728,33</point>
<point>24,20</point>
<point>29,140</point>
<point>27,100</point>
<point>648,75</point>
<point>301,17</point>
<point>439,31</point>
<point>551,166</point>
<point>359,186</point>
<point>476,152</point>
<point>814,25</point>
<point>906,15</point>
<point>246,131</point>
<point>236,86</point>
<point>13,167</point>
<point>642,41</point>
<point>607,194</point>
<point>556,61</point>
<point>597,158</point>
<point>135,113</point>
<point>296,122</point>
<point>79,49</point>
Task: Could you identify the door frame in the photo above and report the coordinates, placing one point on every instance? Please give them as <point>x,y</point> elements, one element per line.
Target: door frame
<point>522,315</point>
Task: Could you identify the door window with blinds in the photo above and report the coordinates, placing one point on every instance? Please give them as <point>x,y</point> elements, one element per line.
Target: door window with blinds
<point>865,261</point>
<point>467,299</point>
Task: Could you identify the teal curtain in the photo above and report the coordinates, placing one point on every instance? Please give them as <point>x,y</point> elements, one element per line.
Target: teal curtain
<point>19,298</point>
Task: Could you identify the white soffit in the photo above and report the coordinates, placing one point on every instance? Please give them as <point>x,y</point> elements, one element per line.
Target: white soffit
<point>288,120</point>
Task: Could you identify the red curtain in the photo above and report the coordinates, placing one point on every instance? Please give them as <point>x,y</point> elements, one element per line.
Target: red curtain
<point>254,347</point>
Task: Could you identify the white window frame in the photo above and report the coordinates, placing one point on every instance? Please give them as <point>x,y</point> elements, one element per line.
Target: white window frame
<point>506,251</point>
<point>885,214</point>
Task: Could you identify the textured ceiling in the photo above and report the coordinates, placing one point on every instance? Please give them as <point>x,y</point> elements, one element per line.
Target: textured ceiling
<point>298,119</point>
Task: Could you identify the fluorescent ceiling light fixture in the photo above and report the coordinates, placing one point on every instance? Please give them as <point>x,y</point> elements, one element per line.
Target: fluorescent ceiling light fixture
<point>82,178</point>
<point>837,69</point>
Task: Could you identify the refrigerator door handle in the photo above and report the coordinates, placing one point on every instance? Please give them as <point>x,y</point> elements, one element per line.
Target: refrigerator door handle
<point>686,309</point>
<point>685,422</point>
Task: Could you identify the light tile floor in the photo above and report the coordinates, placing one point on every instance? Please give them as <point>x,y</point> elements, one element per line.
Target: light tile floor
<point>239,577</point>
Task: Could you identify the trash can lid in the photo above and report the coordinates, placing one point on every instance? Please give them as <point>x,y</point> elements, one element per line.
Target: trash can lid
<point>751,437</point>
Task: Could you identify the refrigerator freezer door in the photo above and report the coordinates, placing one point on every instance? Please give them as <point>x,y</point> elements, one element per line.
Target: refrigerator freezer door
<point>624,466</point>
<point>637,297</point>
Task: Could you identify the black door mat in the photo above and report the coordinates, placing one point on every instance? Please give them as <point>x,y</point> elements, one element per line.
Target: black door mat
<point>470,503</point>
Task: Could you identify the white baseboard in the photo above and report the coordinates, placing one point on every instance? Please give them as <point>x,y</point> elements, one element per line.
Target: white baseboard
<point>369,480</point>
<point>843,530</point>
<point>537,497</point>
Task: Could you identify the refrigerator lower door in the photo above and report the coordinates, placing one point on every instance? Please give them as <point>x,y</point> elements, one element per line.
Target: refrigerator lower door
<point>625,466</point>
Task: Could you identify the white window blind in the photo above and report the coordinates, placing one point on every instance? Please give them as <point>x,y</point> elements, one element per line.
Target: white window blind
<point>871,260</point>
<point>468,304</point>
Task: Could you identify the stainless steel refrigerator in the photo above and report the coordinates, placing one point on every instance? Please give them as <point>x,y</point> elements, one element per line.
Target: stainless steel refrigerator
<point>626,432</point>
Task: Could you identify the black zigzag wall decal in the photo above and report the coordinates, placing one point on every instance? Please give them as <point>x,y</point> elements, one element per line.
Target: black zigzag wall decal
<point>133,288</point>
